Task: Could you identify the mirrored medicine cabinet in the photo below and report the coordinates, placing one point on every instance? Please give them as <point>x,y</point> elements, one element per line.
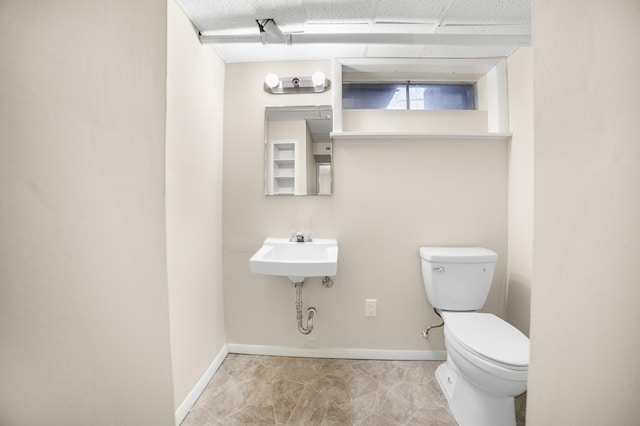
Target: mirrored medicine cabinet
<point>298,150</point>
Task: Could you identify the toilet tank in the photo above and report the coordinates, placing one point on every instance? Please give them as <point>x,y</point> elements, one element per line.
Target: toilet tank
<point>457,278</point>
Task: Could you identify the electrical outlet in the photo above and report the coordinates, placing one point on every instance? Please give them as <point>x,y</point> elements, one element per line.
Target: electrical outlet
<point>370,307</point>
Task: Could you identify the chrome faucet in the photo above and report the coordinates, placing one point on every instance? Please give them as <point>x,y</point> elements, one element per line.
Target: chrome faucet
<point>299,237</point>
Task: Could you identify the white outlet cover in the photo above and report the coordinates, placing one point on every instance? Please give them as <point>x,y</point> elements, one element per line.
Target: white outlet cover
<point>370,306</point>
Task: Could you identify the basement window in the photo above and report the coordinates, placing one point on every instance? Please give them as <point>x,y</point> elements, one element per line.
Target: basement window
<point>409,95</point>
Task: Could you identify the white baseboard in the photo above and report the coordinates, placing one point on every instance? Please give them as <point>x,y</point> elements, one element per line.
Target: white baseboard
<point>346,353</point>
<point>197,390</point>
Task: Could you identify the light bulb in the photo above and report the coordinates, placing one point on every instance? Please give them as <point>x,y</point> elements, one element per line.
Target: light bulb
<point>318,78</point>
<point>272,80</point>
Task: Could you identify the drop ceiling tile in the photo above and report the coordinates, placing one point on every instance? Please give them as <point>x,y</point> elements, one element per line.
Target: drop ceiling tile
<point>345,11</point>
<point>488,12</point>
<point>409,10</point>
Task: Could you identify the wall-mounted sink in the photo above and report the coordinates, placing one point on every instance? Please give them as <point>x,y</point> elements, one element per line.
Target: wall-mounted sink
<point>279,256</point>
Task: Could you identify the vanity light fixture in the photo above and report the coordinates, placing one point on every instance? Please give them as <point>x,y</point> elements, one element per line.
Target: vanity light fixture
<point>317,83</point>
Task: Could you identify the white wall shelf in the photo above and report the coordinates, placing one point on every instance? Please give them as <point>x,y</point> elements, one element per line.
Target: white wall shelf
<point>283,167</point>
<point>419,135</point>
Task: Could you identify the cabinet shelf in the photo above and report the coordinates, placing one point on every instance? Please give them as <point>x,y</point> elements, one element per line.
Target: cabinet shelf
<point>282,180</point>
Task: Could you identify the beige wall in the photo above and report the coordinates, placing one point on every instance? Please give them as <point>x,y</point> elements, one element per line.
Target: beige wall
<point>390,197</point>
<point>84,328</point>
<point>520,269</point>
<point>415,121</point>
<point>584,312</point>
<point>195,84</point>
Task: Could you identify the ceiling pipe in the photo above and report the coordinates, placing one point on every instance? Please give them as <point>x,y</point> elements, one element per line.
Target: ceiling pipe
<point>270,33</point>
<point>371,38</point>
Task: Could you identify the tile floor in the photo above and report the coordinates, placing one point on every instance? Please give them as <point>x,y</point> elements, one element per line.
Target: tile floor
<point>268,390</point>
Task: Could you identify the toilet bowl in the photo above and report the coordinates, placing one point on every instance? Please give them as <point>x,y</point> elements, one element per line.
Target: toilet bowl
<point>486,367</point>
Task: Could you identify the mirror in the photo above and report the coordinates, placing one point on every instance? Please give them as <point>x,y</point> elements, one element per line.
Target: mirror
<point>298,150</point>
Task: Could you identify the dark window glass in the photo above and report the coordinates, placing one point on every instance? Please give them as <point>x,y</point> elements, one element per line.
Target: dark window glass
<point>442,96</point>
<point>427,96</point>
<point>374,96</point>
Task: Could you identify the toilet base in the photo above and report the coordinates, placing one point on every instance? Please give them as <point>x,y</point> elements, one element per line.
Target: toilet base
<point>471,406</point>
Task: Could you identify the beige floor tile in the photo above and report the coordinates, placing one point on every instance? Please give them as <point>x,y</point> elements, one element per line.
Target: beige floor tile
<point>267,390</point>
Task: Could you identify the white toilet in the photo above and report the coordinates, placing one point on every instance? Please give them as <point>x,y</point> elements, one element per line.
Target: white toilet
<point>487,358</point>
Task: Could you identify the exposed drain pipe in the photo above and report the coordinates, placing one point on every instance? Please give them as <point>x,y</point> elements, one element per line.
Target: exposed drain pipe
<point>311,312</point>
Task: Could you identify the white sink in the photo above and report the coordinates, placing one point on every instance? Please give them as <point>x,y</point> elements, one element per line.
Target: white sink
<point>279,256</point>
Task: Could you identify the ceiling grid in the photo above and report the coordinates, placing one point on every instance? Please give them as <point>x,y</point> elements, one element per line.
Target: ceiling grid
<point>318,29</point>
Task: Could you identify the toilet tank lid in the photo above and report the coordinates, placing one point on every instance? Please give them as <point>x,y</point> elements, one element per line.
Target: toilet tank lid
<point>458,254</point>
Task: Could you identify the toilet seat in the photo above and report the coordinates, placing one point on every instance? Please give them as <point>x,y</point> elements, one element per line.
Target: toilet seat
<point>489,338</point>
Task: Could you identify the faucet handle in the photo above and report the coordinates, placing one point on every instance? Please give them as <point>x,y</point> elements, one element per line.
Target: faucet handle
<point>308,236</point>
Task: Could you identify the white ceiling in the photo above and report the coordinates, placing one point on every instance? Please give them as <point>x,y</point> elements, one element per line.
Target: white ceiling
<point>362,28</point>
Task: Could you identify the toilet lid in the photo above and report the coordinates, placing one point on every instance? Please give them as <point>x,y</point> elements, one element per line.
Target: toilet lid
<point>489,336</point>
